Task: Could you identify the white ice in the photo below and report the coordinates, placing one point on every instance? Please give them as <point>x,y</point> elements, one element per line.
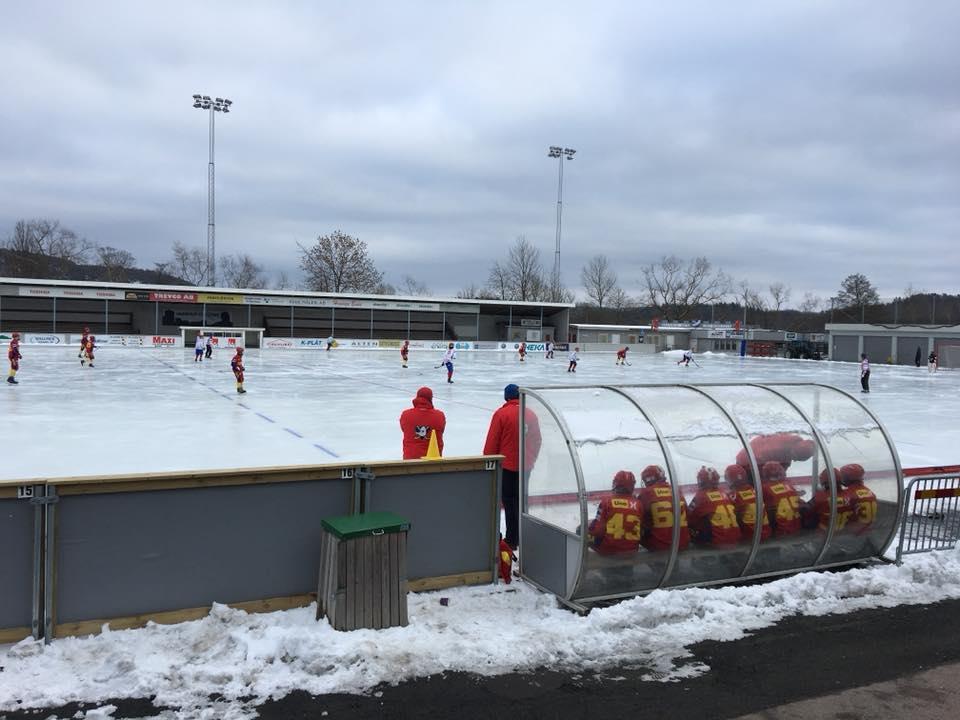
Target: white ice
<point>146,410</point>
<point>139,410</point>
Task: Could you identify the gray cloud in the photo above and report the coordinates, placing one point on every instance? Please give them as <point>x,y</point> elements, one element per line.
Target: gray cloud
<point>795,141</point>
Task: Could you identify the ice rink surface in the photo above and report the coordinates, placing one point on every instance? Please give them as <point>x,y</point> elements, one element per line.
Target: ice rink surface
<point>146,410</point>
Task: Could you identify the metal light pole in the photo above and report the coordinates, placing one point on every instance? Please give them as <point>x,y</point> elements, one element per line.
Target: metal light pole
<point>561,154</point>
<point>204,102</point>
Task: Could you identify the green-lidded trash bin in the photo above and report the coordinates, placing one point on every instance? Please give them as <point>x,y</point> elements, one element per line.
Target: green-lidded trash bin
<point>363,571</point>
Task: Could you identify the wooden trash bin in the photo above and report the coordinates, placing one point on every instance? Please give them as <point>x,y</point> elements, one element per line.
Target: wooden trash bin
<point>363,571</point>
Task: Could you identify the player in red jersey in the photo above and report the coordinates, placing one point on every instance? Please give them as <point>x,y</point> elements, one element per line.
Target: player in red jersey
<point>616,530</point>
<point>622,356</point>
<point>83,343</point>
<point>14,356</point>
<point>236,364</point>
<point>713,517</point>
<point>418,422</point>
<point>405,352</point>
<point>88,347</point>
<point>744,499</point>
<point>522,351</point>
<point>816,512</point>
<point>657,500</point>
<point>782,447</point>
<point>863,501</point>
<point>780,499</point>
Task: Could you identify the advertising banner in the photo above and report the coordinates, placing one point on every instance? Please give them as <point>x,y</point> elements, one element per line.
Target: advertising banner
<point>162,340</point>
<point>344,303</point>
<point>279,343</point>
<point>220,298</point>
<point>119,340</point>
<point>43,339</point>
<point>173,297</point>
<point>66,292</point>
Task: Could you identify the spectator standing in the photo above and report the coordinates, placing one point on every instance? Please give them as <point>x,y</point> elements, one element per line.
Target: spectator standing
<point>864,373</point>
<point>418,422</point>
<point>503,438</point>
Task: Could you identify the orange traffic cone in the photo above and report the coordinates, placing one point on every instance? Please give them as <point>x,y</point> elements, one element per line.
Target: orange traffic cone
<point>433,450</point>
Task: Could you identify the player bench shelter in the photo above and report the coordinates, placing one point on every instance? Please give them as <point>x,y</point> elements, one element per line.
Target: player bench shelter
<point>588,433</point>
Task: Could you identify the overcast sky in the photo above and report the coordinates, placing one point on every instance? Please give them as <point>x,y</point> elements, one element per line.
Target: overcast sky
<point>796,141</point>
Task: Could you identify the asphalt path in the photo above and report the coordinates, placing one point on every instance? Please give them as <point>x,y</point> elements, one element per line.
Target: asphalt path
<point>892,663</point>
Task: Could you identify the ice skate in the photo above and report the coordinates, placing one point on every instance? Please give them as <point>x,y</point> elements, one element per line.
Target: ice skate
<point>12,380</point>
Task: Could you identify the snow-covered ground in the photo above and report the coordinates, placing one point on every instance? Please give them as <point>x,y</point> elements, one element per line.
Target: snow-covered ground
<point>156,410</point>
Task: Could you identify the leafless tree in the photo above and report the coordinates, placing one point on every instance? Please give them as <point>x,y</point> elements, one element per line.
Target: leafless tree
<point>339,263</point>
<point>780,294</point>
<point>675,288</point>
<point>189,264</point>
<point>474,292</point>
<point>43,248</point>
<point>498,282</point>
<point>384,288</point>
<point>283,281</point>
<point>619,301</point>
<point>810,303</point>
<point>524,272</point>
<point>409,285</point>
<point>116,263</point>
<point>749,298</point>
<point>599,279</point>
<point>240,271</point>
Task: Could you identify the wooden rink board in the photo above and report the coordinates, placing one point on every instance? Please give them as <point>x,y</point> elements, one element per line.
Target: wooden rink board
<point>151,482</point>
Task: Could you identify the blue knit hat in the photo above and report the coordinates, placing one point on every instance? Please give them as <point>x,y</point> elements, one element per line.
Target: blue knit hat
<point>511,392</point>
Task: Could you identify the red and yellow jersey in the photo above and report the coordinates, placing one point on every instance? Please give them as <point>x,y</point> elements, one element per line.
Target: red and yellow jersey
<point>622,353</point>
<point>236,363</point>
<point>404,351</point>
<point>618,526</point>
<point>506,562</point>
<point>744,501</point>
<point>863,507</point>
<point>818,510</point>
<point>88,347</point>
<point>713,519</point>
<point>782,503</point>
<point>657,500</point>
<point>13,352</point>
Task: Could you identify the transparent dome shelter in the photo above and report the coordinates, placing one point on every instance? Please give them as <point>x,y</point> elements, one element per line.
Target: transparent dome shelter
<point>819,485</point>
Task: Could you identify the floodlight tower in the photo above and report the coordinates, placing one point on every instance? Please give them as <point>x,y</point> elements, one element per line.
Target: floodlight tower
<point>561,154</point>
<point>215,105</point>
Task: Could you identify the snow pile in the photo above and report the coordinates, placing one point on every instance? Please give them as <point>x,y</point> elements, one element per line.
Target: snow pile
<point>248,658</point>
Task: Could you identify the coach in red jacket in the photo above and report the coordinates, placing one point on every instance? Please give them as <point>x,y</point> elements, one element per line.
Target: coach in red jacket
<point>503,438</point>
<point>417,423</point>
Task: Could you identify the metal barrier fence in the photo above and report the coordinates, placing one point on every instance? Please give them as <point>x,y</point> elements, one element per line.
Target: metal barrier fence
<point>931,514</point>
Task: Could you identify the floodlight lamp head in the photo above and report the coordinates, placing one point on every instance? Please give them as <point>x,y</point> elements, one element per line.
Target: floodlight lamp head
<point>196,97</point>
<point>554,151</point>
<point>219,100</point>
<point>228,102</point>
<point>569,152</point>
<point>206,98</point>
<point>197,104</point>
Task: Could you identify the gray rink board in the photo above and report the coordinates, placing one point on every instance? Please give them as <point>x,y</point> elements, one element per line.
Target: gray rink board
<point>129,553</point>
<point>452,519</point>
<point>16,563</point>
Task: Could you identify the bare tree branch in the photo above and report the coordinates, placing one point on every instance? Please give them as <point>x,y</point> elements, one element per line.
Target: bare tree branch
<point>240,271</point>
<point>676,288</point>
<point>340,263</point>
<point>599,279</point>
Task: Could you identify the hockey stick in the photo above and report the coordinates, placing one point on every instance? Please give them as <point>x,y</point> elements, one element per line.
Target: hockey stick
<point>695,362</point>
